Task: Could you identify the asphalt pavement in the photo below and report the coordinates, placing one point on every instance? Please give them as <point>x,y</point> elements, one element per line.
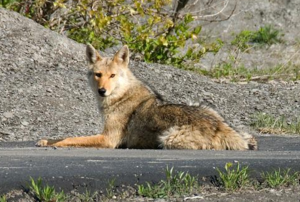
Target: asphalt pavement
<point>92,169</point>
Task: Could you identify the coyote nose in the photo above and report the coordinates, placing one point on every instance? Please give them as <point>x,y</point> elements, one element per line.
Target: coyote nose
<point>102,91</point>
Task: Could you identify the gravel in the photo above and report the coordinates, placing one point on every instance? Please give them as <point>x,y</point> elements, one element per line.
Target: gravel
<point>44,90</point>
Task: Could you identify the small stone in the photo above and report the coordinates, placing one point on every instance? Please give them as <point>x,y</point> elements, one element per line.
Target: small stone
<point>48,90</point>
<point>207,94</point>
<point>255,91</point>
<point>24,123</point>
<point>8,115</point>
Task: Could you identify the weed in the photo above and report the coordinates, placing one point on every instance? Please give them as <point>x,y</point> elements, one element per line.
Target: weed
<point>266,123</point>
<point>241,40</point>
<point>175,184</point>
<point>233,179</point>
<point>267,35</point>
<point>87,196</point>
<point>244,42</point>
<point>226,70</point>
<point>6,3</point>
<point>3,199</point>
<point>279,178</point>
<point>45,193</point>
<point>236,73</point>
<point>110,190</point>
<point>286,72</point>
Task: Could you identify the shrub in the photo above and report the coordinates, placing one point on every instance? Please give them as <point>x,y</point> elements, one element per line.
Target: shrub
<point>147,27</point>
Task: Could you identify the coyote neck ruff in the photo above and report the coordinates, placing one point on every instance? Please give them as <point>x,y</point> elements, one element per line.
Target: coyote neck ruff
<point>135,117</point>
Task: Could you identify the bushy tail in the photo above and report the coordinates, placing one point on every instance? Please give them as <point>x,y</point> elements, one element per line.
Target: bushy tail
<point>187,137</point>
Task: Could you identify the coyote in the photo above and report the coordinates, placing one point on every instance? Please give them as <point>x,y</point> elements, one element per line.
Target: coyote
<point>135,116</point>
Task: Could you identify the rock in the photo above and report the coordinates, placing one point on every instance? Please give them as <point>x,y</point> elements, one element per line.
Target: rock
<point>8,115</point>
<point>48,90</point>
<point>24,123</point>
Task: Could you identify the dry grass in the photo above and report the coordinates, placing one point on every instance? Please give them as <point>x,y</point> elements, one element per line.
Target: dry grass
<point>265,123</point>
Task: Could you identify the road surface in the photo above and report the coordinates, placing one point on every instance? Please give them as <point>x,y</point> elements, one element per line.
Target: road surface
<point>91,169</point>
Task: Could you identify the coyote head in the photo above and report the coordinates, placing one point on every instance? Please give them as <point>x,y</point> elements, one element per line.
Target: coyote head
<point>109,77</point>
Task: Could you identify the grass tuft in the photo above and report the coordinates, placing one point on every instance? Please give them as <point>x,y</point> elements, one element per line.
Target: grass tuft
<point>233,178</point>
<point>45,193</point>
<point>3,199</point>
<point>110,192</point>
<point>176,184</point>
<point>266,123</point>
<point>267,35</point>
<point>87,196</point>
<point>279,178</point>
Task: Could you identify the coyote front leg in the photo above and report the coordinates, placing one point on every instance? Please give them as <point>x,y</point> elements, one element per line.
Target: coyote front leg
<point>100,141</point>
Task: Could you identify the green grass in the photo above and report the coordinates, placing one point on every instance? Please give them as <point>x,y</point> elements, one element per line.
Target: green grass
<point>176,184</point>
<point>266,123</point>
<point>242,40</point>
<point>227,70</point>
<point>279,178</point>
<point>236,73</point>
<point>266,35</point>
<point>3,199</point>
<point>234,177</point>
<point>45,193</point>
<point>110,192</point>
<point>87,196</point>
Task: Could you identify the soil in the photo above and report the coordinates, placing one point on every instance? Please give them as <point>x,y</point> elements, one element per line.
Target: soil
<point>211,194</point>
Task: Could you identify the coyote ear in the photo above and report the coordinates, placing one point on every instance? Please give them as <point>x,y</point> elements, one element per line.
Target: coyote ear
<point>122,56</point>
<point>92,54</point>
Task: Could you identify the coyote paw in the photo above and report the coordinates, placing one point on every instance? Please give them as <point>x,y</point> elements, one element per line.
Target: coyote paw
<point>42,143</point>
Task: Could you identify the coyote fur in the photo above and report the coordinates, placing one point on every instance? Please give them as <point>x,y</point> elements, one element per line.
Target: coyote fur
<point>135,117</point>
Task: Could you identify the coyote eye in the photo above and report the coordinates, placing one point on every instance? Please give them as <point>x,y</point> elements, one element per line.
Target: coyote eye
<point>112,76</point>
<point>98,75</point>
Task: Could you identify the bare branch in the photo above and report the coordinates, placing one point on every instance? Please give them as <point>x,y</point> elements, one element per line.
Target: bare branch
<point>196,15</point>
<point>224,19</point>
<point>215,14</point>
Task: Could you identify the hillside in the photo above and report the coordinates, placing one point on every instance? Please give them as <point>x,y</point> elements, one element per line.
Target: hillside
<point>44,90</point>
